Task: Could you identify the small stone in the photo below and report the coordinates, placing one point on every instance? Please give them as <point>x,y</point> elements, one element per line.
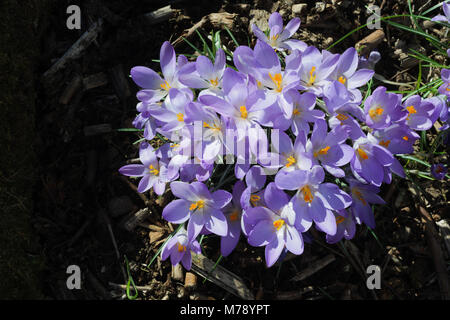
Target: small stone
<point>298,9</point>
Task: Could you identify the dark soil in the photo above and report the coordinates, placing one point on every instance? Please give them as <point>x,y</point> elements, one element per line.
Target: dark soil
<point>81,202</point>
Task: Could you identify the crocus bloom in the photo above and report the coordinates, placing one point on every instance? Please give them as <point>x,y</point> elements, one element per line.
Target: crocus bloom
<point>419,113</point>
<point>233,213</point>
<point>438,171</point>
<point>346,227</point>
<point>398,138</point>
<point>314,200</point>
<point>154,87</point>
<point>369,62</point>
<point>154,173</point>
<point>363,196</point>
<point>279,37</point>
<point>315,69</point>
<point>346,73</point>
<point>329,148</point>
<point>276,226</point>
<point>381,108</point>
<point>445,87</point>
<point>369,160</point>
<point>144,120</point>
<point>197,204</point>
<point>440,17</point>
<point>179,249</point>
<point>202,74</point>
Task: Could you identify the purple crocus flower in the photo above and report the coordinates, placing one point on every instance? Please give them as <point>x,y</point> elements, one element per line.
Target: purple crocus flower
<point>179,249</point>
<point>198,205</point>
<point>144,120</point>
<point>154,87</point>
<point>329,148</point>
<point>440,17</point>
<point>438,171</point>
<point>233,213</point>
<point>202,74</point>
<point>303,111</point>
<point>314,200</point>
<point>279,37</point>
<point>154,173</point>
<point>445,87</point>
<point>315,69</point>
<point>276,226</point>
<point>346,227</point>
<point>419,113</point>
<point>173,111</point>
<point>369,160</point>
<point>370,61</point>
<point>346,73</point>
<point>398,138</point>
<point>363,196</point>
<point>381,108</point>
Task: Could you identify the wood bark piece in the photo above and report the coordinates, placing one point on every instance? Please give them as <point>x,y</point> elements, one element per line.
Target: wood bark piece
<point>160,15</point>
<point>136,218</point>
<point>190,281</point>
<point>217,20</point>
<point>178,273</point>
<point>74,51</point>
<point>95,81</point>
<point>315,267</point>
<point>221,277</point>
<point>70,90</point>
<point>370,42</point>
<point>120,82</point>
<point>433,240</point>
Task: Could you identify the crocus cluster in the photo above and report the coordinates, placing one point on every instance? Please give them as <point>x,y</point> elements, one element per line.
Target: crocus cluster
<point>282,142</point>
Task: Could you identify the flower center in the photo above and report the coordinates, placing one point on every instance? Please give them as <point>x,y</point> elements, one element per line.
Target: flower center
<point>244,113</point>
<point>296,112</point>
<point>277,80</point>
<point>341,117</point>
<point>180,117</point>
<point>197,205</point>
<point>181,248</point>
<point>254,199</point>
<point>214,82</point>
<point>439,169</point>
<point>342,79</point>
<point>322,151</point>
<point>358,195</point>
<point>385,143</point>
<point>362,154</point>
<point>273,40</point>
<point>312,76</point>
<point>375,112</point>
<point>278,224</point>
<point>290,161</point>
<point>165,85</point>
<point>411,109</point>
<point>153,170</point>
<point>339,219</point>
<point>405,138</point>
<point>213,127</point>
<point>234,216</point>
<point>307,194</point>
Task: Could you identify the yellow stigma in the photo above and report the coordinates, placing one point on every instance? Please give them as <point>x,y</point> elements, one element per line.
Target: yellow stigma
<point>234,216</point>
<point>290,161</point>
<point>339,219</point>
<point>273,39</point>
<point>153,170</point>
<point>411,109</point>
<point>342,79</point>
<point>181,248</point>
<point>278,224</point>
<point>254,199</point>
<point>448,87</point>
<point>359,196</point>
<point>214,82</point>
<point>259,84</point>
<point>296,112</point>
<point>180,117</point>
<point>322,151</point>
<point>213,127</point>
<point>165,85</point>
<point>362,154</point>
<point>374,112</point>
<point>341,117</point>
<point>405,138</point>
<point>174,145</point>
<point>307,194</point>
<point>243,111</point>
<point>197,205</point>
<point>385,143</point>
<point>277,80</point>
<point>312,76</point>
